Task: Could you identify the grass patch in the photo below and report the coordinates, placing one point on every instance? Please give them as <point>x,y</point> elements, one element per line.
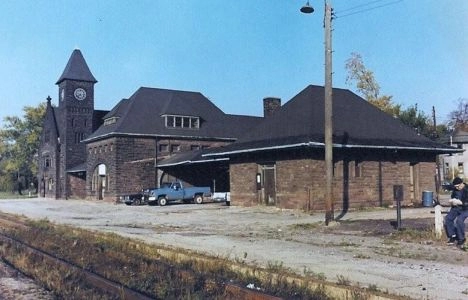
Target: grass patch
<point>162,273</point>
<point>8,195</point>
<point>413,235</point>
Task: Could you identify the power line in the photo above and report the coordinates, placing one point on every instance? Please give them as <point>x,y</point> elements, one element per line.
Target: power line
<point>337,15</point>
<point>362,5</point>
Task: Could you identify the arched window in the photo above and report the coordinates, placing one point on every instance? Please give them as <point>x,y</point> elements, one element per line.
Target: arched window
<point>50,184</point>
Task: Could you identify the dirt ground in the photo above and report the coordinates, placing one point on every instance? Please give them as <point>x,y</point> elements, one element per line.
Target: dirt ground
<point>364,248</point>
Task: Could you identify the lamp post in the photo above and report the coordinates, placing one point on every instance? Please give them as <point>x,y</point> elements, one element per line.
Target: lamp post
<point>328,124</point>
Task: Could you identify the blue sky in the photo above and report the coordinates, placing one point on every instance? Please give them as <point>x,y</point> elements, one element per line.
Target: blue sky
<point>234,52</point>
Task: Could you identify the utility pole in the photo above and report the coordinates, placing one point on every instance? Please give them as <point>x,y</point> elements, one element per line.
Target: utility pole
<point>329,215</point>
<point>328,113</point>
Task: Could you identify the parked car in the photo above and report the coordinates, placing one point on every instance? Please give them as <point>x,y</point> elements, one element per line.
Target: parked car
<point>132,199</point>
<point>447,186</point>
<point>175,191</point>
<point>135,199</point>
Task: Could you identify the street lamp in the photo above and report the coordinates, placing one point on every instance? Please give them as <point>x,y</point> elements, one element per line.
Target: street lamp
<point>328,134</point>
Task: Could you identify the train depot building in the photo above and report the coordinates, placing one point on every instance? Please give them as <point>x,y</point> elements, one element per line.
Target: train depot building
<point>158,135</point>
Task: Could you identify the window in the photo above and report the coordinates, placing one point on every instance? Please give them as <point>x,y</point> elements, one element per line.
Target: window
<point>178,121</point>
<point>357,169</point>
<point>47,162</point>
<point>195,147</point>
<point>175,148</point>
<point>460,168</point>
<point>163,147</point>
<point>173,121</point>
<point>110,121</point>
<point>79,136</point>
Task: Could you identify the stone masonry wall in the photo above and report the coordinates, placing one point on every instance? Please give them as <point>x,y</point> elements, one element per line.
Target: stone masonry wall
<point>135,165</point>
<point>300,184</point>
<point>243,185</point>
<point>77,187</point>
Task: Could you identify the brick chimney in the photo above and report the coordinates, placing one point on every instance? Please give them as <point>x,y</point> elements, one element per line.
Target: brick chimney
<point>270,105</point>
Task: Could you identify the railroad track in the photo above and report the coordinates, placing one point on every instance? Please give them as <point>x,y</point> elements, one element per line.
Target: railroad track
<point>115,289</point>
<point>91,278</point>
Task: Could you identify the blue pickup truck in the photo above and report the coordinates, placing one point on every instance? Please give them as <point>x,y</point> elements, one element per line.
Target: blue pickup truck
<point>175,191</point>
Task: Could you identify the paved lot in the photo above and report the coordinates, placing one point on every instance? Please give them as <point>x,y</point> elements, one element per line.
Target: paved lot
<point>269,236</point>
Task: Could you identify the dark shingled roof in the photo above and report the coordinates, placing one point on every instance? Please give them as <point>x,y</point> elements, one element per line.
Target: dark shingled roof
<point>356,123</point>
<point>77,69</point>
<point>142,115</point>
<point>459,136</point>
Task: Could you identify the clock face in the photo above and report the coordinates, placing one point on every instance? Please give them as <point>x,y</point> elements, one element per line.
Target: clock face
<point>80,94</point>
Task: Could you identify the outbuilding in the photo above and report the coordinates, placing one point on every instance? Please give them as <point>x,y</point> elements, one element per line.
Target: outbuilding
<point>281,161</point>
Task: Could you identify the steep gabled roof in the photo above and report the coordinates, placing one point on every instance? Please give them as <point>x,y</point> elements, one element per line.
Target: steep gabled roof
<point>50,119</point>
<point>356,124</point>
<point>459,136</point>
<point>77,69</point>
<point>143,115</point>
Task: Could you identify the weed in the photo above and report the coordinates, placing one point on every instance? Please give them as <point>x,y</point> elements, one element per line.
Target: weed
<point>413,235</point>
<point>319,276</point>
<point>373,288</point>
<point>306,226</point>
<point>358,295</point>
<point>347,244</point>
<point>343,280</point>
<point>362,256</point>
<point>163,273</point>
<point>275,266</point>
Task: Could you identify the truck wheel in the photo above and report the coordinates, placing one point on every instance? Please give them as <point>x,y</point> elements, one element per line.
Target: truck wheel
<point>198,199</point>
<point>162,201</point>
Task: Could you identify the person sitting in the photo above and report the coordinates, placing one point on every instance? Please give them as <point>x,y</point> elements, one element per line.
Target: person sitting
<point>460,220</point>
<point>454,212</point>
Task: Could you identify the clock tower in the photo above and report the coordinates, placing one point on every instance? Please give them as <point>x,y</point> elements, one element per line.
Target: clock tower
<point>75,120</point>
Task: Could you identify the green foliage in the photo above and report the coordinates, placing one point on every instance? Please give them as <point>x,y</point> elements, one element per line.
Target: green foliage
<point>19,143</point>
<point>418,120</point>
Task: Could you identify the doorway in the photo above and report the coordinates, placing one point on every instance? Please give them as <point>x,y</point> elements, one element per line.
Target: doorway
<point>268,172</point>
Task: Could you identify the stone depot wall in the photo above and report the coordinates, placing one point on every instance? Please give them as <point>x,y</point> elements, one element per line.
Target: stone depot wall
<point>300,183</point>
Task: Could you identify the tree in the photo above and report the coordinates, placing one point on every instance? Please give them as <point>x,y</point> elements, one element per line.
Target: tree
<point>368,86</point>
<point>418,120</point>
<point>20,139</point>
<point>459,117</point>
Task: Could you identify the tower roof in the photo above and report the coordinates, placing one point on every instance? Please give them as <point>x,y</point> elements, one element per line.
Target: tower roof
<point>77,69</point>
